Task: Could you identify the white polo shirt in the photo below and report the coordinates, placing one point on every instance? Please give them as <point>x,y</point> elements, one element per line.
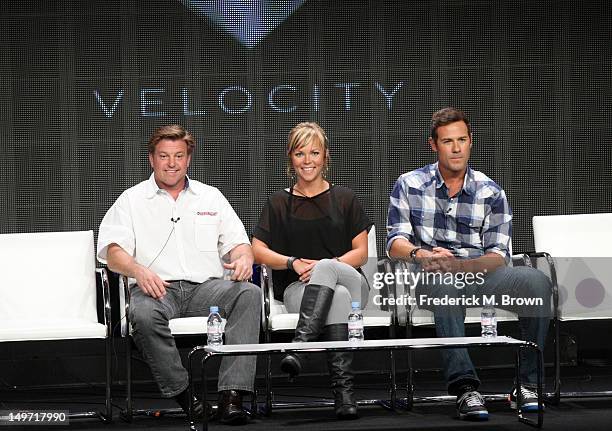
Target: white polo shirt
<point>205,228</point>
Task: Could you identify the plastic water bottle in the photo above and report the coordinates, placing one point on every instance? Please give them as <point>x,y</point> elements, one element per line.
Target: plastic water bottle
<point>214,327</point>
<point>488,322</point>
<point>355,323</point>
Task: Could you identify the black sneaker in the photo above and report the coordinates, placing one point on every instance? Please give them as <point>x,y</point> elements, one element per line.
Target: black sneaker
<point>471,407</point>
<point>529,402</point>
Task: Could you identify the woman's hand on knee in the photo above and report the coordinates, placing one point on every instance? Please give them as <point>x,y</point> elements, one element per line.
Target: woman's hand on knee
<point>304,267</point>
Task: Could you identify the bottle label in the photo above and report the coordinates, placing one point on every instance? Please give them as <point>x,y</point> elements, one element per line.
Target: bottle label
<point>214,329</point>
<point>355,326</point>
<point>488,321</point>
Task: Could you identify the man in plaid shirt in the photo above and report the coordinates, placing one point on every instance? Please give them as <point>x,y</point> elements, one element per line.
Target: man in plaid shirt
<point>448,219</point>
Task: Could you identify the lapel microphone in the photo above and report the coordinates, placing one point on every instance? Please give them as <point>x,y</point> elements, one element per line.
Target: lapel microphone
<point>173,220</point>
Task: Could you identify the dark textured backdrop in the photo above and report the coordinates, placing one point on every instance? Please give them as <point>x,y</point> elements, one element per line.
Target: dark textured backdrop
<point>535,77</point>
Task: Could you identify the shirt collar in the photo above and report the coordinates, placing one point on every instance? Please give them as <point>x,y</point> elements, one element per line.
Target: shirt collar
<point>469,183</point>
<point>438,176</point>
<point>153,188</point>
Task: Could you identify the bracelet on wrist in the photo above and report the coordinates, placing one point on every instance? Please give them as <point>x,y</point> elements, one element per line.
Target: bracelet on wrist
<point>413,254</point>
<point>290,262</point>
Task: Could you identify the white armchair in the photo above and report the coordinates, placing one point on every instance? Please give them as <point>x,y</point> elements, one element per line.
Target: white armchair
<point>48,292</point>
<point>578,259</point>
<point>423,317</point>
<point>182,326</point>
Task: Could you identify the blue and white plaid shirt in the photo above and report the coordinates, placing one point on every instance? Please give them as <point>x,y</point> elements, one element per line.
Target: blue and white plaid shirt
<point>476,221</point>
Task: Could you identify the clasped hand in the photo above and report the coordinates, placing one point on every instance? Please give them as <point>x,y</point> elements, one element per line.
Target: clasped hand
<point>438,260</point>
<point>303,268</point>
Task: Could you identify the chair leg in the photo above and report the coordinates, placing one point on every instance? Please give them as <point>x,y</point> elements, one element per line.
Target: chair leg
<point>268,408</point>
<point>556,399</point>
<point>410,384</point>
<point>393,381</point>
<point>393,388</point>
<point>556,396</point>
<point>410,376</point>
<point>127,413</point>
<point>268,376</point>
<point>254,404</point>
<point>108,414</point>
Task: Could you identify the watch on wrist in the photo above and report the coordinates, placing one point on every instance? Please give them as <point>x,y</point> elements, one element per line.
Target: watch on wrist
<point>290,262</point>
<point>413,253</point>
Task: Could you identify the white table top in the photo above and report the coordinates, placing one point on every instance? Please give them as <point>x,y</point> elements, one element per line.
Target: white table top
<point>389,344</point>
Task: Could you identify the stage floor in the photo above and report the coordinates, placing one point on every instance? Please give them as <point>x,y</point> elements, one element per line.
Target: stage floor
<point>575,414</point>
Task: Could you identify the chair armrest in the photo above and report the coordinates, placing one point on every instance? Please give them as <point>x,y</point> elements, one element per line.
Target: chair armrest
<point>124,291</point>
<point>103,274</point>
<point>522,258</point>
<point>553,277</point>
<point>399,314</point>
<point>266,286</point>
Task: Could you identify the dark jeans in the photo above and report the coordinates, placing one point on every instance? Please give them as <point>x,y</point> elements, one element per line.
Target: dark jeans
<point>238,302</point>
<point>515,282</point>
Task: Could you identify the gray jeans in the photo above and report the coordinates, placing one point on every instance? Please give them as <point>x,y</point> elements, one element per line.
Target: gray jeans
<point>348,285</point>
<point>238,302</point>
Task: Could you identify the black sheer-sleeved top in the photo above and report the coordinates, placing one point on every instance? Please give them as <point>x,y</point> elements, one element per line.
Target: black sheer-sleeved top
<point>318,227</point>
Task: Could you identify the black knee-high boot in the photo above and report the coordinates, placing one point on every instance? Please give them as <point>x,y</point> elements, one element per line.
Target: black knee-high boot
<point>341,372</point>
<point>313,313</point>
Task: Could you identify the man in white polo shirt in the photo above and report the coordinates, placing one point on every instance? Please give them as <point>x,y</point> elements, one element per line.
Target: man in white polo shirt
<point>176,237</point>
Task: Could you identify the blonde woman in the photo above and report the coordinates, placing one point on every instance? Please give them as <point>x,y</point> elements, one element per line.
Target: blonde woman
<point>314,235</point>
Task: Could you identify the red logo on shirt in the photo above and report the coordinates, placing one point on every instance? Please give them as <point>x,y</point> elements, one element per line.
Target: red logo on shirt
<point>207,213</point>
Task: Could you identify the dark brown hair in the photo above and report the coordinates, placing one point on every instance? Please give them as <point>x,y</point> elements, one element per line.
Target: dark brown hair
<point>446,116</point>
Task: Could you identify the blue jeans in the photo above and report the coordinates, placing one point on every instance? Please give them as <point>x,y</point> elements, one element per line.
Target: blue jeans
<point>239,303</point>
<point>516,282</point>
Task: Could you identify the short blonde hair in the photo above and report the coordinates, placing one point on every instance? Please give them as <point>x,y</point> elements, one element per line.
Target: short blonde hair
<point>304,134</point>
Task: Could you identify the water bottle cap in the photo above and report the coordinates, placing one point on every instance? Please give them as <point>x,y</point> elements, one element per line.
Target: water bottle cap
<point>356,304</point>
<point>214,309</point>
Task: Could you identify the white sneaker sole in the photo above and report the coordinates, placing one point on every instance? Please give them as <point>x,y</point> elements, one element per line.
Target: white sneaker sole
<point>480,415</point>
<point>527,407</point>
